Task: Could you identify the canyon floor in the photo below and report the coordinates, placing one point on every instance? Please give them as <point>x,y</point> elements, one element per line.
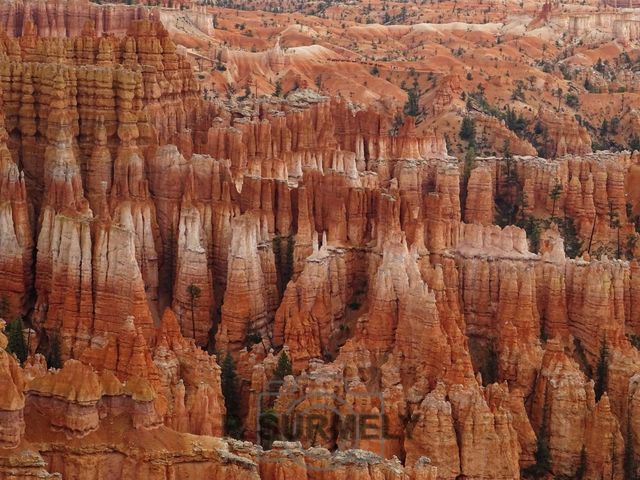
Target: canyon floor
<point>323,240</point>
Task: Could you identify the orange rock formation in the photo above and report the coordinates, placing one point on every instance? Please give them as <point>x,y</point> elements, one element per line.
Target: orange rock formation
<point>177,187</point>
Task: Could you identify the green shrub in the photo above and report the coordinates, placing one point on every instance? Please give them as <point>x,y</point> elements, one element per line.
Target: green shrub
<point>16,344</point>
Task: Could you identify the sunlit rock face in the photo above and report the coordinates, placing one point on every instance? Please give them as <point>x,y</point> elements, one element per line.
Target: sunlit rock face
<point>221,223</point>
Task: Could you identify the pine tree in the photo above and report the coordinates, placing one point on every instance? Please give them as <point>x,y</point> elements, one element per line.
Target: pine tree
<point>268,421</point>
<point>469,162</point>
<point>252,338</point>
<point>582,467</point>
<point>4,306</point>
<point>543,454</point>
<point>288,271</point>
<point>231,397</point>
<point>555,195</point>
<point>506,153</point>
<point>412,106</point>
<point>468,130</point>
<point>194,293</point>
<point>283,368</point>
<point>512,174</point>
<point>602,371</point>
<point>531,225</point>
<point>277,254</point>
<point>278,90</point>
<point>490,374</point>
<point>630,465</point>
<point>572,243</point>
<point>559,92</point>
<point>54,359</point>
<point>16,344</point>
<point>544,335</point>
<point>615,224</point>
<point>284,261</point>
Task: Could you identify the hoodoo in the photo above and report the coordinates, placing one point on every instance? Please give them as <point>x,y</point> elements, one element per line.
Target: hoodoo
<point>316,240</point>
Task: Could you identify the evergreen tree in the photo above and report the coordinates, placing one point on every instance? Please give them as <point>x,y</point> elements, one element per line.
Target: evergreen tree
<point>398,121</point>
<point>630,465</point>
<point>544,336</point>
<point>559,92</point>
<point>283,368</point>
<point>490,373</point>
<point>252,339</point>
<point>469,162</point>
<point>614,125</point>
<point>247,92</point>
<point>632,240</point>
<point>468,130</point>
<point>288,272</point>
<point>284,261</point>
<point>554,195</point>
<point>543,454</point>
<point>54,359</point>
<point>602,371</point>
<point>572,100</point>
<point>269,431</point>
<point>17,344</point>
<point>277,248</point>
<point>4,306</point>
<point>518,93</point>
<point>277,254</point>
<point>412,106</point>
<point>531,225</point>
<point>615,224</point>
<point>506,154</point>
<point>582,467</point>
<point>194,293</point>
<point>511,174</point>
<point>572,243</point>
<point>588,85</point>
<point>278,90</point>
<point>231,398</point>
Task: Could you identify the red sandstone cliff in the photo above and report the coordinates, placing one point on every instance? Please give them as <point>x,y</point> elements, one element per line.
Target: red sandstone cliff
<point>140,223</point>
